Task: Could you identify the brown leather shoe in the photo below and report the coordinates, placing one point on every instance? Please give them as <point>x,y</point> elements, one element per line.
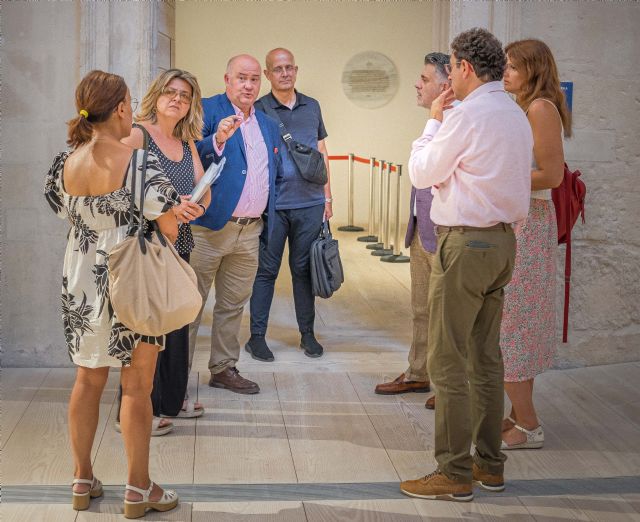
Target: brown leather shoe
<point>399,385</point>
<point>231,380</point>
<point>488,481</point>
<point>437,486</point>
<point>431,403</point>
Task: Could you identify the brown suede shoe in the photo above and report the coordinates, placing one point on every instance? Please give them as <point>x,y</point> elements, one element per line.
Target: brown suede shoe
<point>486,480</point>
<point>437,486</point>
<point>399,385</point>
<point>231,380</point>
<point>431,403</point>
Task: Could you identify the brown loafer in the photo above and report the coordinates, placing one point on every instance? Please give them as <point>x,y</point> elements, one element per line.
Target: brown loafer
<point>231,380</point>
<point>399,385</point>
<point>431,403</point>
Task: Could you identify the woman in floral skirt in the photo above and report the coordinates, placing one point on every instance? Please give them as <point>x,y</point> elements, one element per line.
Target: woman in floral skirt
<point>528,331</point>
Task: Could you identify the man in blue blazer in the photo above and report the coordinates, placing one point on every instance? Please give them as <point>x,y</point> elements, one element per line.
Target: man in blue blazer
<point>227,235</point>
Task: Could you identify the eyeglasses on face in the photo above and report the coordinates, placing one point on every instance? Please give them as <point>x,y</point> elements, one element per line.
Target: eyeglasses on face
<point>185,97</point>
<point>447,66</point>
<point>280,69</point>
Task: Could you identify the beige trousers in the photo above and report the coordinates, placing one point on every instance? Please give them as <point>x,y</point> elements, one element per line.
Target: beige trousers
<point>228,259</point>
<point>420,264</point>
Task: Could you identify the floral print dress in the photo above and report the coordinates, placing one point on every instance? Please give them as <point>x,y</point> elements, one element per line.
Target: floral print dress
<point>93,334</point>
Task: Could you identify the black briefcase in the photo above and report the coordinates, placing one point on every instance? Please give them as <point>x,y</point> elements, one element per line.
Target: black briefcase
<point>326,267</point>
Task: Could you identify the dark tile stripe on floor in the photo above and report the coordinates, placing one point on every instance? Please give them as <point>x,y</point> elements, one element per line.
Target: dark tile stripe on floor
<point>335,491</point>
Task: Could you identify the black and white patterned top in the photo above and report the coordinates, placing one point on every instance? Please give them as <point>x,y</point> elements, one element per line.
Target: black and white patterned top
<point>94,335</point>
<point>182,174</point>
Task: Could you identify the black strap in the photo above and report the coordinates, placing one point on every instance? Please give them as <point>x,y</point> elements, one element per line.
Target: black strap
<point>132,202</point>
<point>286,136</point>
<point>145,136</point>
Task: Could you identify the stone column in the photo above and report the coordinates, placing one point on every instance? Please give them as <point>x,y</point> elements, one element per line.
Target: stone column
<point>502,18</point>
<point>47,48</point>
<point>440,25</point>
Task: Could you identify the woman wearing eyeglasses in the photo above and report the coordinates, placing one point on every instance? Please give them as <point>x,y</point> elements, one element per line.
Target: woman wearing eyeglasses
<point>171,116</point>
<point>528,329</point>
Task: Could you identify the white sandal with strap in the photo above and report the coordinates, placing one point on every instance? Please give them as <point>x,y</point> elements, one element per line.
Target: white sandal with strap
<point>535,439</point>
<point>81,501</point>
<point>156,429</point>
<point>137,509</point>
<point>188,410</point>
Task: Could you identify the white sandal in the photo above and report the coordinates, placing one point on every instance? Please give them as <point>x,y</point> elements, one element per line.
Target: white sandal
<point>137,509</point>
<point>188,411</point>
<point>535,439</point>
<point>156,429</point>
<point>81,501</point>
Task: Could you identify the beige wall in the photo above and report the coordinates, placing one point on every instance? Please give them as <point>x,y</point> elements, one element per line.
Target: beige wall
<point>323,36</point>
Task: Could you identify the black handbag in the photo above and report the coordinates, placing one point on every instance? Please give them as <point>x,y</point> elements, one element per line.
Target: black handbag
<point>326,268</point>
<point>309,161</point>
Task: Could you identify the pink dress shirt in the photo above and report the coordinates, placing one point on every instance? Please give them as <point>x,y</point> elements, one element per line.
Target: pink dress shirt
<point>255,193</point>
<point>477,161</point>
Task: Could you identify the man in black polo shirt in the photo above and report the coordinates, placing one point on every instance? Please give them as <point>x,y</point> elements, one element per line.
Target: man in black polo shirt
<point>300,208</point>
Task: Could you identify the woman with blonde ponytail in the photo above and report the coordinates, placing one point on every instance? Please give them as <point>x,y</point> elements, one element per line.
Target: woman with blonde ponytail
<point>90,186</point>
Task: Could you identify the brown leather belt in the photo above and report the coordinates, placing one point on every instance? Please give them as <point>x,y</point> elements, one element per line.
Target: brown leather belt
<point>244,220</point>
<point>439,229</point>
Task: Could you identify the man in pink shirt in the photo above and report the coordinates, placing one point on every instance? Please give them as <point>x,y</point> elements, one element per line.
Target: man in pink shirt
<point>227,235</point>
<point>477,158</point>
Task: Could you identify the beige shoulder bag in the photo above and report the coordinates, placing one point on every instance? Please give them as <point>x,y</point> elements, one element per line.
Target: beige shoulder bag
<point>153,291</point>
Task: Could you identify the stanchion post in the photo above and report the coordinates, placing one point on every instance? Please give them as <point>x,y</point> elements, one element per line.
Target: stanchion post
<point>396,256</point>
<point>386,247</point>
<point>371,237</point>
<point>379,207</point>
<point>387,210</point>
<point>350,189</point>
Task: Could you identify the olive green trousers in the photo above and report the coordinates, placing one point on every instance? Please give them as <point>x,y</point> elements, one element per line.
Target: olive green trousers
<point>471,267</point>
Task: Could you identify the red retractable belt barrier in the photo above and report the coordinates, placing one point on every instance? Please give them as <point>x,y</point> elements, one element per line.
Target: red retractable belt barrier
<point>359,159</point>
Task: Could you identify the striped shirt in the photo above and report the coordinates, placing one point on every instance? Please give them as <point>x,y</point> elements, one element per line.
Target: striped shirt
<point>255,193</point>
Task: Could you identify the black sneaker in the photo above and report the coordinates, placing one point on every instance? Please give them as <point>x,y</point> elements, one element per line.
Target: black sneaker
<point>311,347</point>
<point>258,349</point>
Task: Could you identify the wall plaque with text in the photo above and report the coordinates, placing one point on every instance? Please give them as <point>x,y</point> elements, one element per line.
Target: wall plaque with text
<point>370,79</point>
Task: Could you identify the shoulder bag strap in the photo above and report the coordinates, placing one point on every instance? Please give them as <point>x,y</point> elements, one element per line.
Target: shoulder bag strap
<point>145,136</point>
<point>143,245</point>
<point>133,165</point>
<point>283,130</point>
<point>567,259</point>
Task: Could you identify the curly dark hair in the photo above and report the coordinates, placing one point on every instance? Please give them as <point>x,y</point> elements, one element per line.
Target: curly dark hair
<point>483,51</point>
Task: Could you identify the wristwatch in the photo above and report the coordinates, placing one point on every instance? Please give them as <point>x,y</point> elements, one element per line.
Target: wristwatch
<point>328,200</point>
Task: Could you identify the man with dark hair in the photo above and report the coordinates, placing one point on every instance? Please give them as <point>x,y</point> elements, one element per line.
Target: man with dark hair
<point>421,241</point>
<point>477,158</point>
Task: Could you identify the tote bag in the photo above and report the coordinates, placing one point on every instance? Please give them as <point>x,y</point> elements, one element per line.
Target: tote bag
<point>153,291</point>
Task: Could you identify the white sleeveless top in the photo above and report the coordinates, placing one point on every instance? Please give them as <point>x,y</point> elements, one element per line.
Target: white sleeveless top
<point>544,193</point>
